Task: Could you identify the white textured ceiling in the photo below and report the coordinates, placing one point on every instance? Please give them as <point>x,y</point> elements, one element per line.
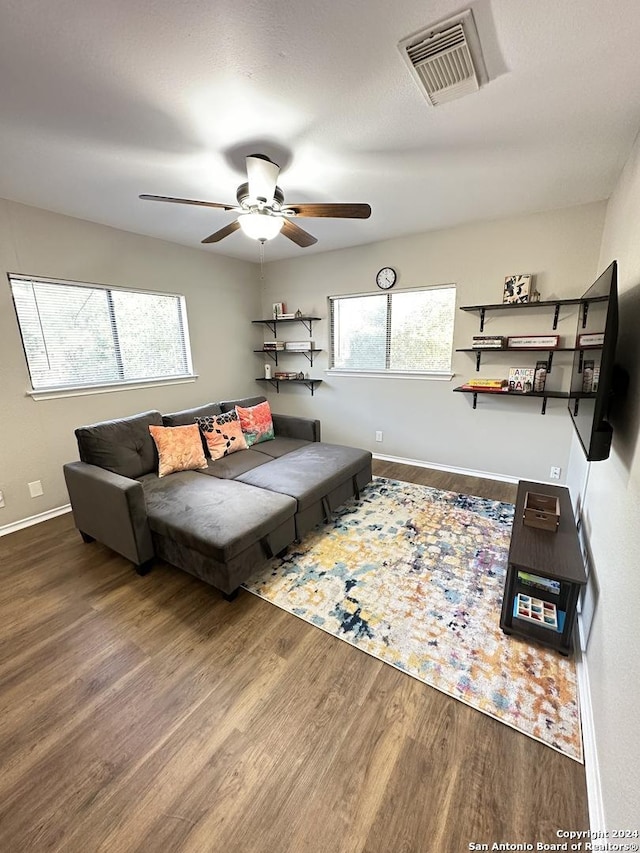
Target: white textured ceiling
<point>101,101</point>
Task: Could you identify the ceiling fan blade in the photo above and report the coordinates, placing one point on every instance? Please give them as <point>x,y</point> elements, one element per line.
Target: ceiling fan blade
<point>146,197</point>
<point>337,211</point>
<point>263,176</point>
<point>223,232</point>
<point>295,233</point>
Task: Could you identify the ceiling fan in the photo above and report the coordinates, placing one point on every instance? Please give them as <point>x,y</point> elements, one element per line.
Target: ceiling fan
<point>262,213</point>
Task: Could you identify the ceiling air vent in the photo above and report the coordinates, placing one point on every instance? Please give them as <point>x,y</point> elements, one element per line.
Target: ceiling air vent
<point>446,59</point>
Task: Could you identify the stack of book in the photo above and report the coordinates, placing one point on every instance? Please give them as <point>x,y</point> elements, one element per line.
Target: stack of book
<point>299,346</point>
<point>285,374</point>
<point>491,385</point>
<point>488,342</point>
<point>273,345</point>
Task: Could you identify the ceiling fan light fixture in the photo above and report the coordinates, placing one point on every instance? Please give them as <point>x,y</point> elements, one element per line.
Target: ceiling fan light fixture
<point>261,225</point>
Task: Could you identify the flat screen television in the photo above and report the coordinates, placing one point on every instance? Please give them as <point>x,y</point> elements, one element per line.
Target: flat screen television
<point>593,373</point>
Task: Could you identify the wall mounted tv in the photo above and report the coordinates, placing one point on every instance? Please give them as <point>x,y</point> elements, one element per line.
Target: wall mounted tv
<point>592,376</point>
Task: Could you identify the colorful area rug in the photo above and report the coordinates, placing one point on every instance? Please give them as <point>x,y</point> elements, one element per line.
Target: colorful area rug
<point>414,576</point>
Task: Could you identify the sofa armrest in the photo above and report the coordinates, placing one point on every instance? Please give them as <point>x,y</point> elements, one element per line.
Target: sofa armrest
<point>290,426</point>
<point>110,508</point>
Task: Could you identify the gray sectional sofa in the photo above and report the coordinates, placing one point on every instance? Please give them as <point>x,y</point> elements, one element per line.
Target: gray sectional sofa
<point>220,523</point>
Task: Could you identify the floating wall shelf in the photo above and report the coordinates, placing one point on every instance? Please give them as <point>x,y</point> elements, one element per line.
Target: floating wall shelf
<point>542,395</point>
<point>309,383</point>
<point>529,306</point>
<point>272,323</point>
<point>479,352</point>
<point>273,353</point>
<point>555,303</point>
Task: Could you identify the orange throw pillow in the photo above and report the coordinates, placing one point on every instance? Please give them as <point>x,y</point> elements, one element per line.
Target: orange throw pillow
<point>223,434</point>
<point>179,448</point>
<point>256,423</point>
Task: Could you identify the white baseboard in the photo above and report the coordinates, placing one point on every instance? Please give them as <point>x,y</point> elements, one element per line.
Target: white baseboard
<point>34,519</point>
<point>591,765</point>
<point>467,472</point>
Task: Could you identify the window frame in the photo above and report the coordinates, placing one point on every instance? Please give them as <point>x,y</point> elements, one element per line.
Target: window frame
<point>388,372</point>
<point>75,389</point>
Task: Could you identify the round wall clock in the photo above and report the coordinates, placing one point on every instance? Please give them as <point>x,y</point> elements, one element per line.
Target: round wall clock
<point>386,278</point>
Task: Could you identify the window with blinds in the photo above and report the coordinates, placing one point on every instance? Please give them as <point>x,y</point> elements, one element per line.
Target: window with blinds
<point>408,331</point>
<point>79,335</point>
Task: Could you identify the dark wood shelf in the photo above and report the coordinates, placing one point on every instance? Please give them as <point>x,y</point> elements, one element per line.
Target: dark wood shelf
<point>548,351</point>
<point>268,320</point>
<point>479,350</point>
<point>522,349</point>
<point>559,394</point>
<point>306,320</point>
<point>273,353</point>
<point>541,395</point>
<point>309,383</point>
<point>542,303</point>
<point>546,303</point>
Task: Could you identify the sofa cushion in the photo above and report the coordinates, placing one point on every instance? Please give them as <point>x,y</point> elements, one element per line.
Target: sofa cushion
<point>188,416</point>
<point>179,448</point>
<point>310,473</point>
<point>123,446</point>
<point>246,402</point>
<point>230,467</point>
<point>279,446</point>
<point>290,426</point>
<point>218,518</point>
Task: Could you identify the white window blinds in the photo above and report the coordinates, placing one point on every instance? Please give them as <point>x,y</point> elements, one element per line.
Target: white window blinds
<point>405,331</point>
<point>78,335</point>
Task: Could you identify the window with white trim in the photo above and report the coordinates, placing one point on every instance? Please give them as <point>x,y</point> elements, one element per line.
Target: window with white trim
<point>84,335</point>
<point>407,331</point>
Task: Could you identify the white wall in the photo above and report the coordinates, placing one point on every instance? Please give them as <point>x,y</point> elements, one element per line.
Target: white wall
<point>222,295</point>
<point>423,419</point>
<point>611,514</point>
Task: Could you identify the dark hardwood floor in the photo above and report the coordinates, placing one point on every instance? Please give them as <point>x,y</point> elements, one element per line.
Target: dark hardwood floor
<point>148,714</point>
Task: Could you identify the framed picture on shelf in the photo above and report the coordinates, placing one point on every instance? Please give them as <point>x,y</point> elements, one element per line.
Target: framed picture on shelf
<point>521,379</point>
<point>533,342</point>
<point>517,289</point>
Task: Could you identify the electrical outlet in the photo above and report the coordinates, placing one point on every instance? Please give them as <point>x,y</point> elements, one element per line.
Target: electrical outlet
<point>1,498</point>
<point>35,489</point>
<point>379,435</point>
<point>555,473</point>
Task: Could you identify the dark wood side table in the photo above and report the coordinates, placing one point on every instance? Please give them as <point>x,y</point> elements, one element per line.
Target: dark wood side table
<point>547,566</point>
